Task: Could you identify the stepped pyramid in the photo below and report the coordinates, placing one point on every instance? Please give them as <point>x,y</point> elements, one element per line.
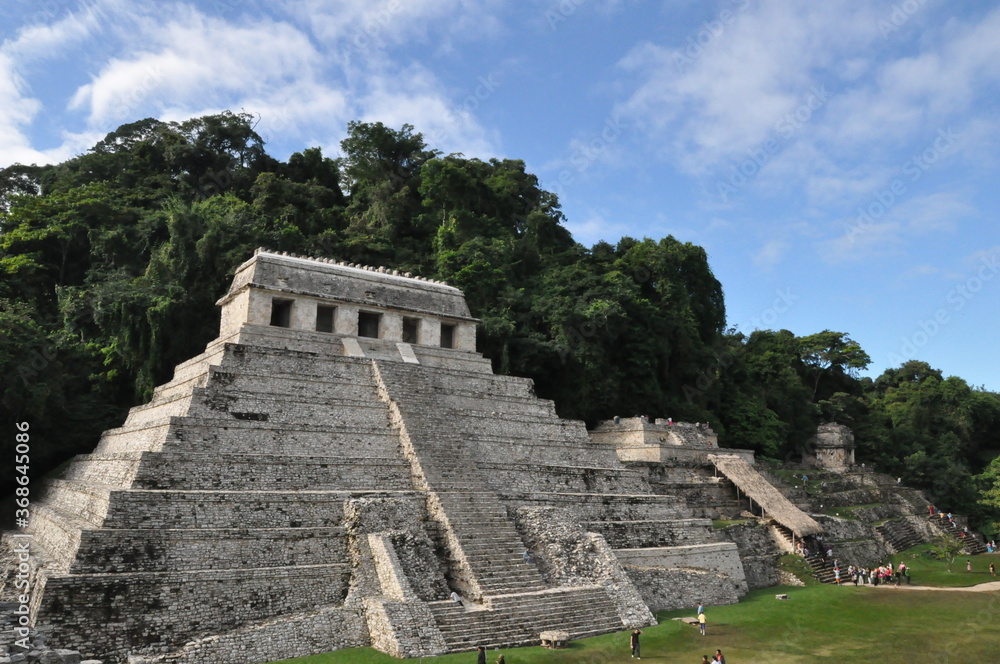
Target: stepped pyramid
<point>333,466</point>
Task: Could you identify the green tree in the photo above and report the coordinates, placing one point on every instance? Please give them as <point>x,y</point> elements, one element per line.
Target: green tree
<point>945,547</point>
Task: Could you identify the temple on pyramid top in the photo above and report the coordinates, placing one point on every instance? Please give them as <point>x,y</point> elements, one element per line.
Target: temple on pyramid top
<point>351,309</point>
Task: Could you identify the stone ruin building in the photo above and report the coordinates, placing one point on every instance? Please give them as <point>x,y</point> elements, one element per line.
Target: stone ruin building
<point>832,448</point>
<point>340,460</point>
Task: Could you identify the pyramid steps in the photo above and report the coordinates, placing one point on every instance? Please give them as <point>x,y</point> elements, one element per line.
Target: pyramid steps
<point>899,535</point>
<point>265,472</point>
<point>171,550</point>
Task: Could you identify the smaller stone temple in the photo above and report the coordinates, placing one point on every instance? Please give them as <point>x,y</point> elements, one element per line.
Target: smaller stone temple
<point>832,448</point>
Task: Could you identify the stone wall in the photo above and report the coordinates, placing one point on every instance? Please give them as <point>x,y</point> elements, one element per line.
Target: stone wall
<point>198,604</point>
<point>758,552</point>
<point>720,557</point>
<point>667,589</point>
<point>296,635</point>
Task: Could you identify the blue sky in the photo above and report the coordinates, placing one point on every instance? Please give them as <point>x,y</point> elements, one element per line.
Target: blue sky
<point>837,160</point>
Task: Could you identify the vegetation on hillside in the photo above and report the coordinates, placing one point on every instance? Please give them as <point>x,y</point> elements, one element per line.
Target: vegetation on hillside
<point>110,264</point>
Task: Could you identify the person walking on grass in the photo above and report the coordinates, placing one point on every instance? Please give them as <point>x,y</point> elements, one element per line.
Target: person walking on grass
<point>993,570</point>
<point>719,657</point>
<point>634,644</point>
<point>480,655</point>
<point>701,623</point>
<point>968,565</point>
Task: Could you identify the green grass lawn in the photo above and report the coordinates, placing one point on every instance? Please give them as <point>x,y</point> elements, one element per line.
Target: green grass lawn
<point>926,571</point>
<point>818,623</point>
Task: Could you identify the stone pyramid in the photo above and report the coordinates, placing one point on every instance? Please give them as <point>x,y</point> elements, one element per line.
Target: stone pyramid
<point>333,466</point>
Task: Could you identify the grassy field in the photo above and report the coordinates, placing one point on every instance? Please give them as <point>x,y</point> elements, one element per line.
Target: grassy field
<point>926,571</point>
<point>818,623</point>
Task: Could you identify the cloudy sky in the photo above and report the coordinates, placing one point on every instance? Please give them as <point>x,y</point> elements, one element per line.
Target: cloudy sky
<point>837,160</point>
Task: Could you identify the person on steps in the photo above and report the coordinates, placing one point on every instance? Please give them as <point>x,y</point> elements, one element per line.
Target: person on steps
<point>634,643</point>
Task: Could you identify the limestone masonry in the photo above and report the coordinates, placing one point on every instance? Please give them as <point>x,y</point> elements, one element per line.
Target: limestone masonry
<point>340,460</point>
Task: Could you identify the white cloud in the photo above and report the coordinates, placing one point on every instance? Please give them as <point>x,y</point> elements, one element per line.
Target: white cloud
<point>711,104</point>
<point>771,253</point>
<point>194,61</point>
<point>904,223</point>
<point>596,227</point>
<point>361,30</point>
<point>707,109</point>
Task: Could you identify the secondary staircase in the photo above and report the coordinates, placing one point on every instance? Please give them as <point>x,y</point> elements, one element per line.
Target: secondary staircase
<point>823,569</point>
<point>899,535</point>
<point>973,545</point>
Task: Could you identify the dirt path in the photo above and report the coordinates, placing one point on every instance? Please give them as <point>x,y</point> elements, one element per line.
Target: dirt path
<point>981,588</point>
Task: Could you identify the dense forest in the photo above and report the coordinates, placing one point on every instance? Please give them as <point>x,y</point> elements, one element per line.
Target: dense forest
<point>111,262</point>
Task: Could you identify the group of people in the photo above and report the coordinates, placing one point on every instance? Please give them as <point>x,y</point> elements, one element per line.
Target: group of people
<point>881,575</point>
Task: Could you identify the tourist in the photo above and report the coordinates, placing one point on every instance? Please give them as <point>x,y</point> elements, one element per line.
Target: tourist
<point>456,599</point>
<point>481,655</point>
<point>719,657</point>
<point>501,660</point>
<point>836,575</point>
<point>701,623</point>
<point>930,508</point>
<point>705,660</point>
<point>993,570</point>
<point>701,609</point>
<point>634,643</point>
<point>968,565</point>
<point>526,556</point>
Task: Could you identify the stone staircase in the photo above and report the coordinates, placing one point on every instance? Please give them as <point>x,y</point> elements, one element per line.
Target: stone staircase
<point>490,546</point>
<point>483,549</point>
<point>518,619</point>
<point>899,535</point>
<point>973,545</point>
<point>823,569</point>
